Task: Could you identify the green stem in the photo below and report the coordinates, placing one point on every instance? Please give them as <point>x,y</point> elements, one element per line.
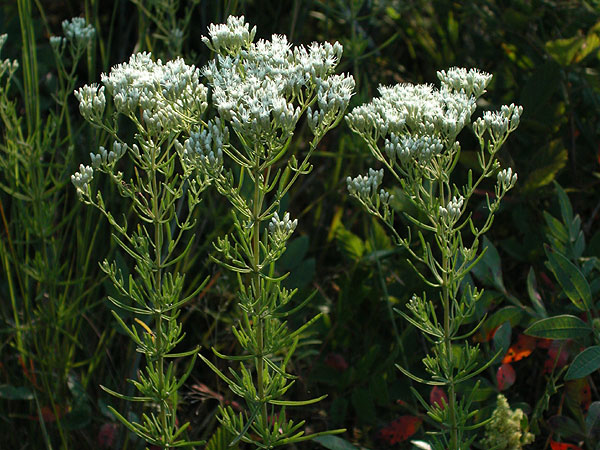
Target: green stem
<point>158,278</point>
<point>256,209</point>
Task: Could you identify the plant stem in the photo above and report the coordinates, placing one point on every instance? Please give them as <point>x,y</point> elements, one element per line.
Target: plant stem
<point>158,315</point>
<point>256,207</point>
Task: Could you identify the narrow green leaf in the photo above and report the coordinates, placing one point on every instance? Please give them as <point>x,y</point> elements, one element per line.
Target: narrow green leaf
<point>570,278</point>
<point>586,362</point>
<point>559,327</point>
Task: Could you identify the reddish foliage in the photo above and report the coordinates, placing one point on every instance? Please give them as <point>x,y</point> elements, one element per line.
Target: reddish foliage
<point>438,396</point>
<point>336,361</point>
<point>107,435</point>
<point>521,349</point>
<point>563,446</point>
<point>557,354</point>
<point>485,335</point>
<point>578,393</point>
<point>400,429</point>
<point>505,376</point>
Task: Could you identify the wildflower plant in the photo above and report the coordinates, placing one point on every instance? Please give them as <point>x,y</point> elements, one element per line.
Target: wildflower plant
<point>45,264</point>
<point>412,131</point>
<point>165,103</point>
<point>261,90</point>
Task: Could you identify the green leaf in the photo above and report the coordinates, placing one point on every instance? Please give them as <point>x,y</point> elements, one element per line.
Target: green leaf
<point>364,407</point>
<point>559,327</point>
<point>534,295</point>
<point>586,362</point>
<point>488,270</point>
<point>592,420</point>
<point>350,244</point>
<point>295,252</point>
<point>334,443</point>
<point>570,278</point>
<point>554,157</point>
<point>564,51</point>
<point>502,338</point>
<point>220,440</point>
<point>9,392</point>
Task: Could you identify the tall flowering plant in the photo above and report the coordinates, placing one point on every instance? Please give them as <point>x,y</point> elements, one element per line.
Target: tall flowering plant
<point>412,131</point>
<point>165,103</point>
<point>261,90</point>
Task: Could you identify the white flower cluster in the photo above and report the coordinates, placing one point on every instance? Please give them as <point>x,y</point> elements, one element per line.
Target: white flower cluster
<point>472,82</point>
<point>169,95</point>
<point>365,185</point>
<point>105,157</point>
<point>507,179</point>
<point>81,179</point>
<point>7,66</point>
<point>77,33</point>
<point>499,124</point>
<point>364,188</point>
<point>282,229</point>
<point>91,102</point>
<point>451,213</point>
<point>333,95</point>
<point>419,109</point>
<point>206,146</point>
<point>408,148</point>
<point>231,37</point>
<point>255,88</point>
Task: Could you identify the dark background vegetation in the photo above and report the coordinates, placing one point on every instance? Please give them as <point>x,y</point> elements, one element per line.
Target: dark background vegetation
<point>544,55</point>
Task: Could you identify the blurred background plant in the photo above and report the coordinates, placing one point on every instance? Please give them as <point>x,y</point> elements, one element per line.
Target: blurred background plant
<point>544,56</point>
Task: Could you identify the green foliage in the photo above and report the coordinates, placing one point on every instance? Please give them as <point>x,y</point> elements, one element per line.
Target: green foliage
<point>418,128</point>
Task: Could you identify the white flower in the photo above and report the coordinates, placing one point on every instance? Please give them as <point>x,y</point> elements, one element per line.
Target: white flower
<point>256,86</point>
<point>231,37</point>
<point>91,101</point>
<point>170,95</point>
<point>415,109</point>
<point>365,185</point>
<point>81,179</point>
<point>472,82</point>
<point>78,32</point>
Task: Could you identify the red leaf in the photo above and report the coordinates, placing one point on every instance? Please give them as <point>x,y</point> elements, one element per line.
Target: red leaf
<point>521,349</point>
<point>485,335</point>
<point>336,361</point>
<point>563,446</point>
<point>578,393</point>
<point>438,396</point>
<point>557,354</point>
<point>400,429</point>
<point>505,376</point>
<point>107,435</point>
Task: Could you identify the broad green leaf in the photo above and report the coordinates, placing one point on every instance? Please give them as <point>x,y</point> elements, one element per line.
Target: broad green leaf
<point>564,51</point>
<point>15,392</point>
<point>334,443</point>
<point>554,157</point>
<point>295,252</point>
<point>488,269</point>
<point>363,404</point>
<point>592,420</point>
<point>566,210</point>
<point>570,278</point>
<point>350,244</point>
<point>559,327</point>
<point>502,338</point>
<point>586,362</point>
